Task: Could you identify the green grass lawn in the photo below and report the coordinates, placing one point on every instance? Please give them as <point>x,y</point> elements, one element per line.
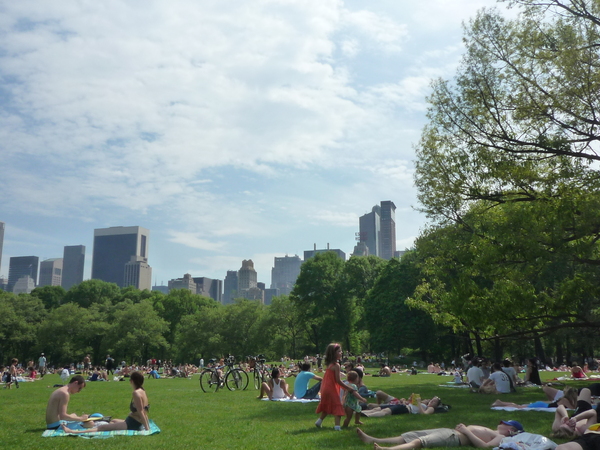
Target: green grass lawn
<point>190,418</point>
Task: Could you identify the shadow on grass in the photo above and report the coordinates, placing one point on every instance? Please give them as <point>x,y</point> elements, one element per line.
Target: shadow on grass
<point>35,430</point>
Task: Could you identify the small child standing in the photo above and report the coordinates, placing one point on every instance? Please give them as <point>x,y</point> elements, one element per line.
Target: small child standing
<point>351,400</point>
<point>330,388</point>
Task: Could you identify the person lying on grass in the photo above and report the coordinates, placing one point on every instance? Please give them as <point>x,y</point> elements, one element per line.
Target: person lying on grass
<point>394,406</point>
<point>462,435</point>
<point>584,416</point>
<point>566,398</point>
<point>138,417</point>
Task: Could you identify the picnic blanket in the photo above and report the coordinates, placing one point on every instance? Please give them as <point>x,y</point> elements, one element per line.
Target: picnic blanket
<point>101,434</point>
<point>296,400</point>
<point>512,408</point>
<point>455,385</point>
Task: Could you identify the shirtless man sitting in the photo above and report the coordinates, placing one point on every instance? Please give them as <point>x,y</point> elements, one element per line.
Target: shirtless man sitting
<point>471,435</point>
<point>59,401</point>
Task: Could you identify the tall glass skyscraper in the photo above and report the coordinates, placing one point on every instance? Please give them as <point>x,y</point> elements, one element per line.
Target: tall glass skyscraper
<point>118,247</point>
<point>377,230</point>
<point>2,225</point>
<point>388,230</point>
<point>21,266</point>
<point>73,265</point>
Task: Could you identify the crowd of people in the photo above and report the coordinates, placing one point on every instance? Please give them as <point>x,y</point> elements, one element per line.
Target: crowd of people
<point>339,386</point>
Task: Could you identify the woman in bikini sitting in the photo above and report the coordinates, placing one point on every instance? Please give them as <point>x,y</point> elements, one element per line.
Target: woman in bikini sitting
<point>138,417</point>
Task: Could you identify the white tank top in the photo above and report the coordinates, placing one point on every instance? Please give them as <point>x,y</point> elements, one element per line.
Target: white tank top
<point>277,391</point>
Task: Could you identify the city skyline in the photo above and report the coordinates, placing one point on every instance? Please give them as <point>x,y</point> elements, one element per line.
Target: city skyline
<point>230,140</point>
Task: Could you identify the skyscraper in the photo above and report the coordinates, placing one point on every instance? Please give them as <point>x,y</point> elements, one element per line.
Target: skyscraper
<point>21,266</point>
<point>387,244</point>
<point>370,230</point>
<point>51,272</point>
<point>284,273</point>
<point>247,277</point>
<point>209,287</point>
<point>2,225</point>
<point>114,248</point>
<point>73,264</point>
<point>138,273</point>
<point>230,286</point>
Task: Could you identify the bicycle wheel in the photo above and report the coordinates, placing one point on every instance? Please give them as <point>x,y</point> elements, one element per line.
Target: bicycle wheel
<point>256,378</point>
<point>209,381</point>
<point>236,380</point>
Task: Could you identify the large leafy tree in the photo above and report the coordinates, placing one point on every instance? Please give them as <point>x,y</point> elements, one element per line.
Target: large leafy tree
<point>506,168</point>
<point>321,301</point>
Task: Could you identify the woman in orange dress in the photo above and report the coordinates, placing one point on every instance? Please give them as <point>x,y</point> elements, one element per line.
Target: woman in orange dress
<point>331,402</point>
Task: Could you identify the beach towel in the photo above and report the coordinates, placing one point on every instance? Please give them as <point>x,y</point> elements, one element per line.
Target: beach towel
<point>510,408</point>
<point>295,400</point>
<point>101,434</point>
<point>451,384</point>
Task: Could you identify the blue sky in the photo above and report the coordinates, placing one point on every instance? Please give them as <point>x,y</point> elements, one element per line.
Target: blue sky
<point>232,130</point>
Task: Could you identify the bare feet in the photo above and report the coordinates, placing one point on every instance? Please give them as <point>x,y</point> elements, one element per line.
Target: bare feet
<point>66,429</point>
<point>364,436</point>
<point>358,422</point>
<point>377,446</point>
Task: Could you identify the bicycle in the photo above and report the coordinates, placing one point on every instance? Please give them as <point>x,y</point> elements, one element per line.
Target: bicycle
<point>213,378</point>
<point>259,372</point>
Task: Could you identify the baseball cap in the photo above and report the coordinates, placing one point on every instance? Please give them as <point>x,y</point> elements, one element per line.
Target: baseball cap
<point>513,423</point>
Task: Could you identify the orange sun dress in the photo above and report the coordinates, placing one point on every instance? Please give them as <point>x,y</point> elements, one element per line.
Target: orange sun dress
<point>330,395</point>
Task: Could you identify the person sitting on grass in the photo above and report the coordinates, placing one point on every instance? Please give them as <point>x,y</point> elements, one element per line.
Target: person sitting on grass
<point>301,389</point>
<point>56,411</point>
<point>577,372</point>
<point>462,435</point>
<point>497,383</point>
<point>564,427</point>
<point>138,417</point>
<point>385,371</point>
<point>276,388</point>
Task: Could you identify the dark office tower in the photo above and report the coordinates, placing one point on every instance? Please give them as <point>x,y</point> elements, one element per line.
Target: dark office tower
<point>22,266</point>
<point>51,272</point>
<point>114,248</point>
<point>73,264</point>
<point>208,287</point>
<point>230,287</point>
<point>370,230</point>
<point>387,244</point>
<point>284,273</point>
<point>2,225</point>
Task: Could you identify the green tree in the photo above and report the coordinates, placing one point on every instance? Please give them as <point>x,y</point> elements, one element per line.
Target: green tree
<point>392,324</point>
<point>244,331</point>
<point>51,296</point>
<point>64,335</point>
<point>319,297</point>
<point>504,170</point>
<point>288,331</point>
<point>178,304</point>
<point>200,334</point>
<point>92,292</point>
<point>137,332</point>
